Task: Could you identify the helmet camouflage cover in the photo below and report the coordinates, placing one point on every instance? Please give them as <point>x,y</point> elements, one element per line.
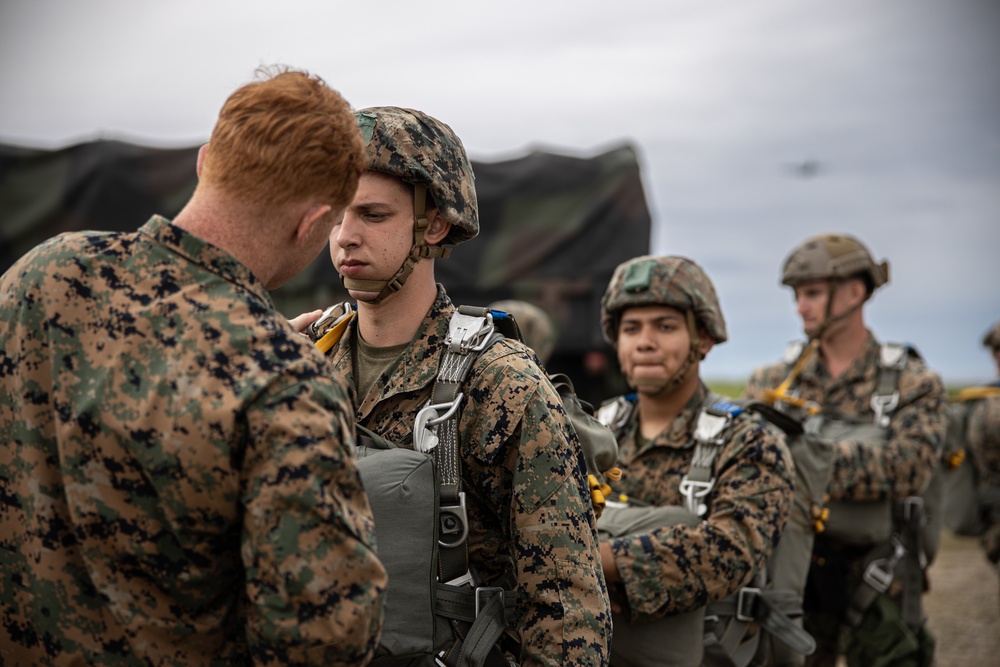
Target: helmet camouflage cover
<point>537,328</point>
<point>832,257</point>
<point>992,337</point>
<point>662,281</point>
<point>422,150</point>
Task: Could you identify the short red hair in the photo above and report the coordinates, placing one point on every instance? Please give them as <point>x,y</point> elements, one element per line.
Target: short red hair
<point>285,138</point>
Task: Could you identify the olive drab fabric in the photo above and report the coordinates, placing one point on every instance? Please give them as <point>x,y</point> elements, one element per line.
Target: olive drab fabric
<point>175,462</point>
<point>671,281</point>
<point>552,227</point>
<point>421,150</point>
<point>832,257</point>
<point>527,499</point>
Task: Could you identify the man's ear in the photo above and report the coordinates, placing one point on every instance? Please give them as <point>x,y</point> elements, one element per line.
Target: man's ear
<point>202,152</point>
<point>705,343</point>
<point>437,227</point>
<point>308,221</point>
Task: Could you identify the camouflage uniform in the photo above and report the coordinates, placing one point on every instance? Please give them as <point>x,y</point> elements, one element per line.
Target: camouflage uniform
<point>680,568</point>
<point>177,487</point>
<point>983,442</point>
<point>900,467</point>
<point>528,504</point>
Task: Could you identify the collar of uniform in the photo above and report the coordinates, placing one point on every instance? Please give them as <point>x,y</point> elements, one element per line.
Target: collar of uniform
<point>678,433</point>
<point>418,364</point>
<point>815,372</point>
<point>203,253</point>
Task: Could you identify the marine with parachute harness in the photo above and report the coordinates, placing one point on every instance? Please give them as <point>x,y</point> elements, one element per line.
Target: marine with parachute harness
<point>509,570</point>
<point>705,488</point>
<point>879,411</point>
<point>972,460</point>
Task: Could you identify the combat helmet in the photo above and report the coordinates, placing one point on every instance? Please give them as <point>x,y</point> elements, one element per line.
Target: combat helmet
<point>992,338</point>
<point>427,154</point>
<point>833,257</point>
<point>671,281</point>
<point>537,328</point>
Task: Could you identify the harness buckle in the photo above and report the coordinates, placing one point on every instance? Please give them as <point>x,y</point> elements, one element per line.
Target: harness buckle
<point>880,572</point>
<point>468,333</point>
<point>744,604</point>
<point>425,437</point>
<point>882,405</point>
<point>452,521</point>
<point>910,507</point>
<point>490,590</point>
<point>694,492</point>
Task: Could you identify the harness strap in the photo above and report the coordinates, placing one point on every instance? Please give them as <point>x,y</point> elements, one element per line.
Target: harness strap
<point>891,360</point>
<point>780,393</point>
<point>771,609</point>
<point>698,482</point>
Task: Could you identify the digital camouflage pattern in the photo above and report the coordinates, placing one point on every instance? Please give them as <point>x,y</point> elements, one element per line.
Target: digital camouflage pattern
<point>177,484</point>
<point>537,328</point>
<point>671,281</point>
<point>832,257</point>
<point>681,568</point>
<point>419,149</point>
<point>528,502</point>
<point>553,227</point>
<point>861,472</point>
<point>983,442</point>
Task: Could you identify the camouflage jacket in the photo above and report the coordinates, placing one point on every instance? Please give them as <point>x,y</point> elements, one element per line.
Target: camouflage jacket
<point>904,464</point>
<point>982,432</point>
<point>680,568</point>
<point>528,502</point>
<point>177,484</point>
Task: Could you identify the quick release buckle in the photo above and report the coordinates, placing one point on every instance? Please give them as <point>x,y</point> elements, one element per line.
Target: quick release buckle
<point>744,604</point>
<point>468,333</point>
<point>883,405</point>
<point>693,492</point>
<point>425,437</point>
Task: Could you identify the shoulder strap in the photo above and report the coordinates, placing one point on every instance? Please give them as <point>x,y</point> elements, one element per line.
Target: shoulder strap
<point>713,420</point>
<point>616,413</point>
<point>436,430</point>
<point>891,360</point>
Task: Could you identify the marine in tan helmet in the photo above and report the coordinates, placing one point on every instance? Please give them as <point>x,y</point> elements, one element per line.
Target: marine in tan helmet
<point>880,409</point>
<point>530,517</point>
<point>662,316</point>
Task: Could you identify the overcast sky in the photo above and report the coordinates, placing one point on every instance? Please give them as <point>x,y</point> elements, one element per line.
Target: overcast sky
<point>897,103</point>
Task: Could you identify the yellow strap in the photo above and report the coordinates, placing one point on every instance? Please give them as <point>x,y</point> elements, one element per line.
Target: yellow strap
<point>333,336</point>
<point>780,393</point>
<point>975,393</point>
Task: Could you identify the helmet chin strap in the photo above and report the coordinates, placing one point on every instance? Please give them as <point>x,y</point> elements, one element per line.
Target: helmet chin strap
<point>418,251</point>
<point>654,388</point>
<point>828,318</point>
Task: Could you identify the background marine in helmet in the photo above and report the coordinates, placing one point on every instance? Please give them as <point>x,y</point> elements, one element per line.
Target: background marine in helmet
<point>663,316</point>
<point>880,409</point>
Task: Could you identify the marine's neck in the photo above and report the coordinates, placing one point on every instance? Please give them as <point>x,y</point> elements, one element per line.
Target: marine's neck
<point>396,319</point>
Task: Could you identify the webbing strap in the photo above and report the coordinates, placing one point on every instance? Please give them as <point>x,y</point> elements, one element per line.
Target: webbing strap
<point>771,609</point>
<point>699,480</point>
<point>780,393</point>
<point>891,360</point>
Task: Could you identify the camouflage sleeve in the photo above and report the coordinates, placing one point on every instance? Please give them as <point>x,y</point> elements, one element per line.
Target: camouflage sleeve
<point>681,568</point>
<point>314,582</point>
<point>983,437</point>
<point>564,615</point>
<point>903,465</point>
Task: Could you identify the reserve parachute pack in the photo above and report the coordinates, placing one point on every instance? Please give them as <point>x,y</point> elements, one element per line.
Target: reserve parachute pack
<point>738,631</point>
<point>902,535</point>
<point>437,611</point>
<point>969,504</point>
